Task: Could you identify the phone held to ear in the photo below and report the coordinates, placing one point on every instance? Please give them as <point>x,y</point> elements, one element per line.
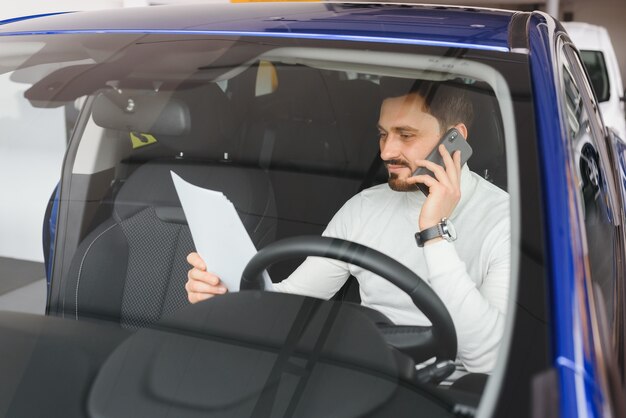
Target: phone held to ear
<point>453,140</point>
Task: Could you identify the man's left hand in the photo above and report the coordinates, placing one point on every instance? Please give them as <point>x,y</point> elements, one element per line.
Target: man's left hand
<point>444,188</point>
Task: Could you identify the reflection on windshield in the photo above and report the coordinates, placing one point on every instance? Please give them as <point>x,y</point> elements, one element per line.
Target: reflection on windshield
<point>303,141</point>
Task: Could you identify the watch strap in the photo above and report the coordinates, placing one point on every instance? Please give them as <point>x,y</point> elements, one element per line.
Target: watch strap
<point>429,233</point>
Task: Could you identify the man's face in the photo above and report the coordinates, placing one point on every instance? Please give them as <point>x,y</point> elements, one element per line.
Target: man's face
<point>407,133</point>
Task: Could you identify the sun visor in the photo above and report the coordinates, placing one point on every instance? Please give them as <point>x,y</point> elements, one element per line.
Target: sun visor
<point>157,113</point>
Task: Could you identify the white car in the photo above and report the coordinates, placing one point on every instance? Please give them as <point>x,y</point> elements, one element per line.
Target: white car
<point>599,57</point>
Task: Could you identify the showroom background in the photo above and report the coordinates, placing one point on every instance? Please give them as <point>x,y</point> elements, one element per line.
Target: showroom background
<point>44,142</point>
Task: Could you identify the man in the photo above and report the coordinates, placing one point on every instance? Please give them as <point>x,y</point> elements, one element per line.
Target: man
<point>470,275</point>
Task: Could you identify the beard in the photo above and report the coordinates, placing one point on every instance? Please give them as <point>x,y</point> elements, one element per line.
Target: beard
<point>396,183</point>
<point>400,185</point>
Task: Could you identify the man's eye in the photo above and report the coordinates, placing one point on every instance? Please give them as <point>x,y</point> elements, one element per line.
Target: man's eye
<point>406,136</point>
<point>382,135</point>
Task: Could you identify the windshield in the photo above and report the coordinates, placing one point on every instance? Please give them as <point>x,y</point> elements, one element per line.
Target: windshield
<point>270,139</point>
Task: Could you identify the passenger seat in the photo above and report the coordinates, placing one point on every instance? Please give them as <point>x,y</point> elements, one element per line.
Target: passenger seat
<point>132,268</point>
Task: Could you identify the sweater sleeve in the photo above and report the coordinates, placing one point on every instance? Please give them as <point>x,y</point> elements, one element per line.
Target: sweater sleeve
<point>317,277</point>
<point>478,313</point>
<point>323,277</point>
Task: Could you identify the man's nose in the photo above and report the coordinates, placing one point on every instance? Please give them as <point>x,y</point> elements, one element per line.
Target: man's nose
<point>389,148</point>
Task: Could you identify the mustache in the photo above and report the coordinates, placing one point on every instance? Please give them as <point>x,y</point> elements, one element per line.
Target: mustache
<point>396,162</point>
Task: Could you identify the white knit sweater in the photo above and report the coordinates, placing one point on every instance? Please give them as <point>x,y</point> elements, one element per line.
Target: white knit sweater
<point>470,275</point>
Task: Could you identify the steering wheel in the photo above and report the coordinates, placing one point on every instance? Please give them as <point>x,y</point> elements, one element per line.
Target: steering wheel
<point>440,338</point>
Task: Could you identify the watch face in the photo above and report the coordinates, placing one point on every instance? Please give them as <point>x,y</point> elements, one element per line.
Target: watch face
<point>449,230</point>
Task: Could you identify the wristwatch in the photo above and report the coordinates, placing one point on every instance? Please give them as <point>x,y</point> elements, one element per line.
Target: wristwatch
<point>443,229</point>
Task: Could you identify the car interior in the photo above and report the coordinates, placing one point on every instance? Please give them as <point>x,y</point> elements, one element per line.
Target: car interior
<point>288,135</point>
<point>288,160</point>
<point>288,143</point>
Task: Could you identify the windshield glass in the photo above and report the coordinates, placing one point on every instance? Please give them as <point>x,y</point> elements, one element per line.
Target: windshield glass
<point>293,139</point>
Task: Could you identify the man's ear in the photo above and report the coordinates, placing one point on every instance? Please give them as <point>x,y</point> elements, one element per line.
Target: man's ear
<point>461,128</point>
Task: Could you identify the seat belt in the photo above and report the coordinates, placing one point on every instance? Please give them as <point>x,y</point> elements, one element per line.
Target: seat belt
<point>267,148</point>
<point>368,180</point>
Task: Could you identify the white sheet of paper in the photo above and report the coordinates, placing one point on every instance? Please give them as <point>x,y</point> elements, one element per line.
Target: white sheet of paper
<point>220,238</point>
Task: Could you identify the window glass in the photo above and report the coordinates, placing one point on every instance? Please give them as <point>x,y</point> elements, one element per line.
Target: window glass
<point>298,138</point>
<point>592,169</point>
<point>596,67</point>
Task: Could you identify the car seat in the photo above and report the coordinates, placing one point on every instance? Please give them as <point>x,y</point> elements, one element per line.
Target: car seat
<point>486,137</point>
<point>317,134</point>
<point>132,268</point>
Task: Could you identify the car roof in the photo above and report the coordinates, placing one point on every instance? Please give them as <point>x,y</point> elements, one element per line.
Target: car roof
<point>450,26</point>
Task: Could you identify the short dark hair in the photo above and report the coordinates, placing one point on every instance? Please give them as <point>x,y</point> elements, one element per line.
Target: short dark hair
<point>447,101</point>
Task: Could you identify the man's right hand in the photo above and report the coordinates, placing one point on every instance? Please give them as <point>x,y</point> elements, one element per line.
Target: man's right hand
<point>201,284</point>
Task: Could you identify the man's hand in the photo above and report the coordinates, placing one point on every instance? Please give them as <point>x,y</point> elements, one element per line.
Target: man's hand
<point>444,189</point>
<point>201,284</point>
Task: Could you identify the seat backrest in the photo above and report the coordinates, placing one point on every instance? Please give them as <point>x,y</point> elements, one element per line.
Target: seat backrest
<point>294,127</point>
<point>486,136</point>
<point>341,140</point>
<point>132,268</point>
<point>318,136</point>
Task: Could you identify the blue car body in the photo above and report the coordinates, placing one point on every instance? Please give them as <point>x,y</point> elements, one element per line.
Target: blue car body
<point>582,383</point>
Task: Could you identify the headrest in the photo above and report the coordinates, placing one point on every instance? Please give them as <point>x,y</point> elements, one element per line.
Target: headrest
<point>141,111</point>
<point>304,93</point>
<point>196,121</point>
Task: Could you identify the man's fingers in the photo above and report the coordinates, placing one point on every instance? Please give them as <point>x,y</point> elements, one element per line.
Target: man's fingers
<point>422,178</point>
<point>457,161</point>
<point>440,173</point>
<point>198,291</point>
<point>453,167</point>
<point>196,261</point>
<point>203,276</point>
<point>201,284</point>
<point>450,164</point>
<point>198,297</point>
<point>195,286</point>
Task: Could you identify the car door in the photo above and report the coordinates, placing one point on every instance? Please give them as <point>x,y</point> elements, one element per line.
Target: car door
<point>599,209</point>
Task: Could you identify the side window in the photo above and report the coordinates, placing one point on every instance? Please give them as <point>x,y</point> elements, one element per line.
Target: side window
<point>596,189</point>
<point>596,67</point>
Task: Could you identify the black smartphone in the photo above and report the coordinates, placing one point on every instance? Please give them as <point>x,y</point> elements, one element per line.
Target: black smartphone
<point>453,140</point>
